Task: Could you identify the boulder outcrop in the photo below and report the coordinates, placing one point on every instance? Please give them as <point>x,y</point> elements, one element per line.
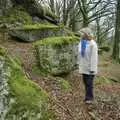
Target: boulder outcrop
<point>57,55</point>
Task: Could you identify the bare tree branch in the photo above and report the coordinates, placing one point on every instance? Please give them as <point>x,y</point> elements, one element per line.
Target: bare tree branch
<point>102,15</point>
<point>95,5</point>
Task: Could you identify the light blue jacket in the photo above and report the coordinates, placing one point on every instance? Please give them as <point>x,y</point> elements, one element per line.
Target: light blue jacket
<point>90,60</point>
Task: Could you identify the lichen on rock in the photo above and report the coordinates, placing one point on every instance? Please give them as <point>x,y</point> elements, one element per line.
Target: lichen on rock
<point>57,55</point>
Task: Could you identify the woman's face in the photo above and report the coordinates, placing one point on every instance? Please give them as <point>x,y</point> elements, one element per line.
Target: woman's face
<point>88,37</point>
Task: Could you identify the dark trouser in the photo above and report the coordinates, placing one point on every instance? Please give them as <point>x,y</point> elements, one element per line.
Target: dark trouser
<point>88,82</point>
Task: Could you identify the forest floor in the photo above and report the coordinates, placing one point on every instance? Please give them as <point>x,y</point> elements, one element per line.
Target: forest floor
<point>69,105</point>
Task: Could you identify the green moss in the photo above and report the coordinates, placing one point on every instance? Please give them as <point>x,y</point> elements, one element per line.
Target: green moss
<point>38,26</point>
<point>102,80</point>
<point>16,14</point>
<point>56,40</point>
<point>65,85</point>
<point>36,70</point>
<point>26,92</point>
<point>28,95</point>
<point>2,51</point>
<point>69,33</point>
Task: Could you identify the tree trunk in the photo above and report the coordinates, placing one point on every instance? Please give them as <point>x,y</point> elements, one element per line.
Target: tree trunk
<point>64,12</point>
<point>98,32</point>
<point>85,21</point>
<point>85,15</point>
<point>84,12</point>
<point>116,47</point>
<point>52,5</point>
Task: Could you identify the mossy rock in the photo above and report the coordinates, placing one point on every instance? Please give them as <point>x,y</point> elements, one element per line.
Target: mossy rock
<point>35,8</point>
<point>56,41</point>
<point>33,32</point>
<point>24,99</point>
<point>57,55</point>
<point>15,17</point>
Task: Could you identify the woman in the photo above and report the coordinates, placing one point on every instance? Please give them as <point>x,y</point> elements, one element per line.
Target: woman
<point>88,60</point>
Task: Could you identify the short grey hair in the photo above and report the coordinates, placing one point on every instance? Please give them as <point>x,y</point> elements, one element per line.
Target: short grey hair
<point>85,31</point>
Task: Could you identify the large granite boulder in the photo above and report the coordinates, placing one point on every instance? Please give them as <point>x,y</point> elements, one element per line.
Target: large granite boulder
<point>35,8</point>
<point>57,55</point>
<point>15,17</point>
<point>35,32</point>
<point>32,7</point>
<point>20,98</point>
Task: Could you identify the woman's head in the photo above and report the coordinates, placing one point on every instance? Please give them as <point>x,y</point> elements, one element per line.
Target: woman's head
<point>86,33</point>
